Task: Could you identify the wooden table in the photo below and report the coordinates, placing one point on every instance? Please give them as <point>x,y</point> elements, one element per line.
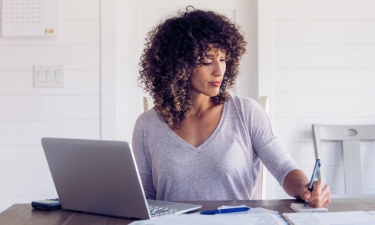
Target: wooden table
<point>25,214</point>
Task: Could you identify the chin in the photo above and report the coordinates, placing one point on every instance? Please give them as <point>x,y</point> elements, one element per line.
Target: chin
<point>213,94</point>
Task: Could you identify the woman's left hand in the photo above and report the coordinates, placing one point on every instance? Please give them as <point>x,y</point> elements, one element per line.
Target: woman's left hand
<point>319,197</point>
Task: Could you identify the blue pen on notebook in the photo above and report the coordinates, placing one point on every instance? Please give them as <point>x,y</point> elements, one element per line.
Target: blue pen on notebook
<point>229,210</point>
<point>314,177</point>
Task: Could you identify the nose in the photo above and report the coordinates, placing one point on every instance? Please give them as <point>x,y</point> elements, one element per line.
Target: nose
<point>219,68</point>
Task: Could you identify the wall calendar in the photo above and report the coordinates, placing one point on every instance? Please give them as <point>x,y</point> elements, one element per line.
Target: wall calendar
<point>29,18</point>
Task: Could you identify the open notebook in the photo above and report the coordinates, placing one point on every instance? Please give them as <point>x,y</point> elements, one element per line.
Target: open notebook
<point>298,207</point>
<point>331,218</point>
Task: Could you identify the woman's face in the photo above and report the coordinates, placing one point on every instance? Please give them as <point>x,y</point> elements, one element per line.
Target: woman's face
<point>207,78</point>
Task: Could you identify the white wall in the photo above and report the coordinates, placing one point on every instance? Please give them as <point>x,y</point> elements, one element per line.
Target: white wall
<point>323,73</point>
<point>28,113</point>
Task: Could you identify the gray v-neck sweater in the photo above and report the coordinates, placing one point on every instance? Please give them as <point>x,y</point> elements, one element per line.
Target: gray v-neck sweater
<point>224,167</point>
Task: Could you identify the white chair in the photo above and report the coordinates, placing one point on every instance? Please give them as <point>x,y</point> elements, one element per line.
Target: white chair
<point>351,137</point>
<point>260,192</point>
<point>148,103</point>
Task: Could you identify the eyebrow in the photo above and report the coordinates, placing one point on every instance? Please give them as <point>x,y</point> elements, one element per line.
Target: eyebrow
<point>210,55</point>
<point>213,55</point>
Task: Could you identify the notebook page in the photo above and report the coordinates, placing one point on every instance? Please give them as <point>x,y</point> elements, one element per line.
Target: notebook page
<point>299,207</point>
<point>332,218</point>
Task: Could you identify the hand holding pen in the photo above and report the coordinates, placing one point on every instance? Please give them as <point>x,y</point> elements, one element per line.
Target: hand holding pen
<point>314,177</point>
<point>316,193</point>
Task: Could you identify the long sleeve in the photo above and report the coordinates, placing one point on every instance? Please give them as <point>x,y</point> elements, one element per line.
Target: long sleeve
<point>139,146</point>
<point>265,142</point>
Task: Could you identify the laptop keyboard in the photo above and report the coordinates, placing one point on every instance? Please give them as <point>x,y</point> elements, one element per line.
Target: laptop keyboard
<point>161,211</point>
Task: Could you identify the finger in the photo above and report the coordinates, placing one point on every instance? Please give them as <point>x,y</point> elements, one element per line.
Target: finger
<point>323,199</point>
<point>318,185</point>
<point>305,193</point>
<point>317,193</point>
<point>327,197</point>
<point>317,190</point>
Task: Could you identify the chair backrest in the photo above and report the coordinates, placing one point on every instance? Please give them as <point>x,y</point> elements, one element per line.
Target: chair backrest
<point>148,103</point>
<point>351,137</point>
<point>260,192</point>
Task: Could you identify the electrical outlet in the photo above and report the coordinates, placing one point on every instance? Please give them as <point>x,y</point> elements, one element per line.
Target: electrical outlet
<point>49,76</point>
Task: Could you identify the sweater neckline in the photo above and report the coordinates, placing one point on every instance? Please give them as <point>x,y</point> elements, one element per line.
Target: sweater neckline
<point>209,139</point>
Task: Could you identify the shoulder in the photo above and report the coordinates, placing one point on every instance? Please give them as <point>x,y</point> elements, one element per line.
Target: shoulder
<point>147,119</point>
<point>249,110</point>
<point>245,105</point>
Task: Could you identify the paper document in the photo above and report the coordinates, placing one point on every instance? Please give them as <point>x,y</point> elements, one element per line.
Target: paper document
<point>253,217</point>
<point>330,218</point>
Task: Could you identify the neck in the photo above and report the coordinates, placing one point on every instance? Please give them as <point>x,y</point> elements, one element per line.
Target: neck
<point>200,104</point>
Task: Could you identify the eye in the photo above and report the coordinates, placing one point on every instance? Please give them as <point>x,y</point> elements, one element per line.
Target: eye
<point>206,63</point>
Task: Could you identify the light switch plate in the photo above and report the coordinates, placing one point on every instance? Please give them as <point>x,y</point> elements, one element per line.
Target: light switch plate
<point>54,76</point>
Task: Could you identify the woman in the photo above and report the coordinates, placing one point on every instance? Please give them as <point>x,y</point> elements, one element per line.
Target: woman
<point>199,142</point>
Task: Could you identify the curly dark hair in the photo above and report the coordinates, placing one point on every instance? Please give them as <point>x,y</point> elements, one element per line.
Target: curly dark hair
<point>174,48</point>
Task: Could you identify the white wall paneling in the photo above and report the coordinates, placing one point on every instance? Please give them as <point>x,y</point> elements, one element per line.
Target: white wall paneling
<point>108,73</point>
<point>324,10</point>
<point>325,32</point>
<point>28,114</point>
<point>73,57</point>
<point>324,56</point>
<point>30,132</point>
<point>246,85</point>
<point>79,9</point>
<point>324,105</point>
<point>323,80</point>
<point>17,158</point>
<point>264,49</point>
<point>79,82</point>
<point>37,183</point>
<point>72,107</point>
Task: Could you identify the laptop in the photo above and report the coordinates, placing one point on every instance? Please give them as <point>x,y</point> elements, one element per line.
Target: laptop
<point>101,177</point>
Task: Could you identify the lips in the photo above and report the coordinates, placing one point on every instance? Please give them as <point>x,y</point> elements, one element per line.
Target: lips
<point>216,83</point>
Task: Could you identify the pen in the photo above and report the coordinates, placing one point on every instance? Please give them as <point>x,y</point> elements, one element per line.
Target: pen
<point>314,177</point>
<point>215,211</point>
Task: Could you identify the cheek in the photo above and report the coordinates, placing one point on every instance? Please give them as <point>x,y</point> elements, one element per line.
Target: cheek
<point>194,80</point>
<point>198,76</point>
